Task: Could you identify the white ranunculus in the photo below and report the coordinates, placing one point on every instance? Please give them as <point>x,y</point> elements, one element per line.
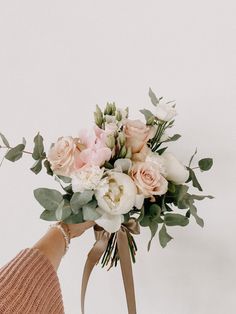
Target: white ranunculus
<point>86,178</point>
<point>175,170</point>
<point>165,112</point>
<point>116,195</point>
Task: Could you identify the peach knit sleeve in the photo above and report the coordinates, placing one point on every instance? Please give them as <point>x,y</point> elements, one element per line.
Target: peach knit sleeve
<point>29,285</point>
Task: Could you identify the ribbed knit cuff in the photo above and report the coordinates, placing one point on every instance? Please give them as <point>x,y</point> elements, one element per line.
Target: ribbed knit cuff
<point>29,284</point>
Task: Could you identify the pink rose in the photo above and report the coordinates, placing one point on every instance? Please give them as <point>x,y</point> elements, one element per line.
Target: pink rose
<point>62,156</point>
<point>148,179</point>
<point>137,134</point>
<point>95,151</point>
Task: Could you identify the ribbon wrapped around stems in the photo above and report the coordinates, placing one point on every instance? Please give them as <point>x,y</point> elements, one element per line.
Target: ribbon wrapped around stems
<point>122,239</point>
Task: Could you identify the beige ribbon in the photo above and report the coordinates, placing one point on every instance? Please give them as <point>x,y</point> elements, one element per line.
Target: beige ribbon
<point>102,238</point>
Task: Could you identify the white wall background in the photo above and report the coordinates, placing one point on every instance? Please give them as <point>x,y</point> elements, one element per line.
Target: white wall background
<point>57,60</point>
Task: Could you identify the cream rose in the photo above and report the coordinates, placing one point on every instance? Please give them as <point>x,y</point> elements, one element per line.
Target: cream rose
<point>148,179</point>
<point>137,134</point>
<point>116,195</point>
<point>62,156</point>
<point>175,170</point>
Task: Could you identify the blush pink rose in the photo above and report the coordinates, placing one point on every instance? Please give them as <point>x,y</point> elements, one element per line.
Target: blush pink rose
<point>62,156</point>
<point>148,179</point>
<point>95,151</point>
<point>137,134</point>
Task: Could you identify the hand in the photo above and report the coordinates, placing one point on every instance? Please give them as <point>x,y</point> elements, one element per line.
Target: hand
<point>77,229</point>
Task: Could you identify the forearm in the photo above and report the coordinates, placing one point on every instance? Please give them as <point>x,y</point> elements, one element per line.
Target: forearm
<point>52,244</point>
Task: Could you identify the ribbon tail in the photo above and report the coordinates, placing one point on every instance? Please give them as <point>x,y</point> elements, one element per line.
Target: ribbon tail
<point>126,268</point>
<point>93,258</point>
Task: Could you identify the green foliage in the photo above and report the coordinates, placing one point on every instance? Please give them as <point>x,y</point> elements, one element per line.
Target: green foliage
<point>205,164</point>
<point>89,211</point>
<point>64,179</point>
<point>38,152</point>
<point>153,97</point>
<point>47,165</point>
<point>172,138</point>
<point>175,220</point>
<point>16,152</point>
<point>78,200</point>
<point>4,140</point>
<point>153,228</point>
<point>193,178</point>
<point>75,218</point>
<point>164,237</point>
<point>48,215</point>
<point>63,211</point>
<point>192,157</point>
<point>193,211</point>
<point>37,166</point>
<point>48,198</point>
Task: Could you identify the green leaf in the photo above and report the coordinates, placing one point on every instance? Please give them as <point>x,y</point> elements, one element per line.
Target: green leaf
<point>153,228</point>
<point>164,237</point>
<point>205,164</point>
<point>74,218</point>
<point>89,211</point>
<point>155,211</point>
<point>147,113</point>
<point>153,97</point>
<point>191,159</point>
<point>5,141</point>
<point>48,215</point>
<point>37,166</point>
<point>201,197</point>
<point>48,198</point>
<point>193,178</point>
<point>63,211</point>
<point>175,220</point>
<point>172,138</point>
<point>38,152</point>
<point>15,153</point>
<point>64,179</point>
<point>171,187</point>
<point>161,151</point>
<point>78,200</point>
<point>199,220</point>
<point>47,165</point>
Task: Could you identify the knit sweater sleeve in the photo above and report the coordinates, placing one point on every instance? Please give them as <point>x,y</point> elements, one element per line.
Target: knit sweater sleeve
<point>29,284</point>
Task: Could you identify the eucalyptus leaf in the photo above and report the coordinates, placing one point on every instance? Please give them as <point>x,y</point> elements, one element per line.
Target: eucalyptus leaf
<point>191,159</point>
<point>161,150</point>
<point>164,237</point>
<point>89,211</point>
<point>15,153</point>
<point>205,164</point>
<point>78,200</point>
<point>48,198</point>
<point>48,215</point>
<point>47,165</point>
<point>153,97</point>
<point>4,140</point>
<point>172,138</point>
<point>175,220</point>
<point>75,218</point>
<point>201,197</point>
<point>37,166</point>
<point>65,179</point>
<point>63,211</point>
<point>38,147</point>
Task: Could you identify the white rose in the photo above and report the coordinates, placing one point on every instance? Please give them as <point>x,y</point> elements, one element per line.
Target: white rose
<point>116,195</point>
<point>86,178</point>
<point>157,160</point>
<point>165,112</point>
<point>175,170</point>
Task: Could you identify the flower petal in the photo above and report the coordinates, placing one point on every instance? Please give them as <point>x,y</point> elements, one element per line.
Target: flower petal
<point>110,223</point>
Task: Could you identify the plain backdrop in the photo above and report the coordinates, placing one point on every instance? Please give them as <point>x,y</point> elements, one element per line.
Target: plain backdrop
<point>58,59</point>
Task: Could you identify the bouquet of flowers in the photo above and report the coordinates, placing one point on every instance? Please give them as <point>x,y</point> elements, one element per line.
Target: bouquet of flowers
<point>121,175</point>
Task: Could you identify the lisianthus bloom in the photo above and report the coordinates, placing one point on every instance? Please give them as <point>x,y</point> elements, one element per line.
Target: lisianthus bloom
<point>165,112</point>
<point>137,134</point>
<point>63,155</point>
<point>116,196</point>
<point>175,170</point>
<point>148,179</point>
